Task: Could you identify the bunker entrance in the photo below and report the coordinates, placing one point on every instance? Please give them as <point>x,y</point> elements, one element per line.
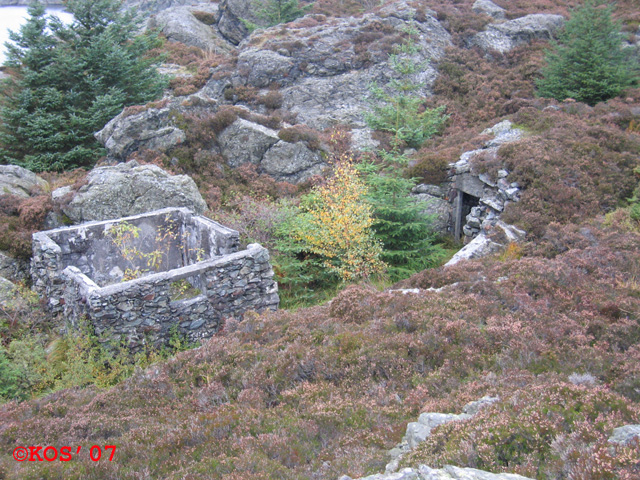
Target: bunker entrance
<point>464,203</point>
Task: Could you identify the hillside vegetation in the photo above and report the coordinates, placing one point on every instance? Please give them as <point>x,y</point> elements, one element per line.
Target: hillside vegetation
<point>551,326</point>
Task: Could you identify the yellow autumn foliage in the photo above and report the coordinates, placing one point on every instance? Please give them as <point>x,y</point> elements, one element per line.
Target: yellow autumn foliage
<point>337,225</point>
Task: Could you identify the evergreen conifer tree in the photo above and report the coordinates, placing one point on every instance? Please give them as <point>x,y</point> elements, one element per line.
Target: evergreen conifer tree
<point>66,82</point>
<point>588,63</point>
<point>398,220</point>
<point>282,11</point>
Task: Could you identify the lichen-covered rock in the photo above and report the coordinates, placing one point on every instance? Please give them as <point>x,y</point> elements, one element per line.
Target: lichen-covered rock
<point>246,142</point>
<point>417,432</point>
<point>437,208</point>
<point>503,37</point>
<point>503,132</point>
<point>263,67</point>
<point>128,189</point>
<point>155,6</point>
<point>486,243</point>
<point>625,435</point>
<point>292,162</point>
<point>489,8</point>
<point>151,129</point>
<point>179,24</point>
<point>449,472</point>
<point>18,181</point>
<point>8,292</point>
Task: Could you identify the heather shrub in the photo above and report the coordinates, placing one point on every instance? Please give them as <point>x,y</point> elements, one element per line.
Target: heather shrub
<point>478,90</point>
<point>207,18</point>
<point>542,432</point>
<point>574,169</point>
<point>257,220</point>
<point>272,100</point>
<point>431,167</point>
<point>19,219</point>
<point>300,133</point>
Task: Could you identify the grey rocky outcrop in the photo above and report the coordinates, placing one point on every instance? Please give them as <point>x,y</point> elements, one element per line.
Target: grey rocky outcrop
<point>246,142</point>
<point>292,162</point>
<point>129,189</point>
<point>179,24</point>
<point>18,181</point>
<point>505,36</point>
<point>323,67</point>
<point>154,6</point>
<point>261,68</point>
<point>448,472</point>
<point>417,432</point>
<point>489,8</point>
<point>625,435</point>
<point>488,243</point>
<point>152,129</point>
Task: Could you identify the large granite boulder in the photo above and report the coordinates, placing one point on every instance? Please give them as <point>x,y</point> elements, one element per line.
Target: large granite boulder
<point>292,162</point>
<point>183,24</point>
<point>505,36</point>
<point>18,181</point>
<point>246,142</point>
<point>129,189</point>
<point>151,129</point>
<point>263,67</point>
<point>489,8</point>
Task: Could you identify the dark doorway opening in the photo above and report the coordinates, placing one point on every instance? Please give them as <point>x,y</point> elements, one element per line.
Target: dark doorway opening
<point>465,203</point>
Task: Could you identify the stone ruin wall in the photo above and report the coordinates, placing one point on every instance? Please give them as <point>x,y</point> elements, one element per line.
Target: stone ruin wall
<point>80,273</point>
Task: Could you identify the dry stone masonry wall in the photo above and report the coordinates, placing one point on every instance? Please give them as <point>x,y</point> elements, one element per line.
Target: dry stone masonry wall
<point>202,278</point>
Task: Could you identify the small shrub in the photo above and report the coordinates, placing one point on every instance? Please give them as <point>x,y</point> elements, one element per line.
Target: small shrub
<point>207,18</point>
<point>272,100</point>
<point>300,133</point>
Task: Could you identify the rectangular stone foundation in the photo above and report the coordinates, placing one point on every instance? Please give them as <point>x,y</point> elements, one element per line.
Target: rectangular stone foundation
<point>205,280</point>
